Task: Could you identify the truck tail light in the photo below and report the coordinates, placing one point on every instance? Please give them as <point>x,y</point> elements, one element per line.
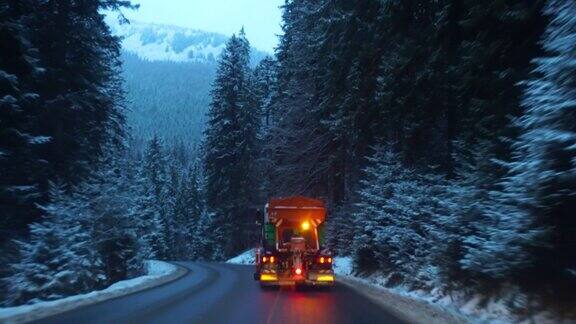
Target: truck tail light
<point>272,259</point>
<point>323,260</point>
<point>264,259</point>
<point>298,271</point>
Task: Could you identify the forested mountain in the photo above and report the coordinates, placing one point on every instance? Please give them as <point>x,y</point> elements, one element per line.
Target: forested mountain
<point>168,99</point>
<point>153,42</point>
<point>168,71</point>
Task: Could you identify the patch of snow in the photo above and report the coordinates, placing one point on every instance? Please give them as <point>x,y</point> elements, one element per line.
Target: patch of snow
<point>457,306</point>
<point>156,42</point>
<point>343,266</point>
<point>35,140</point>
<point>156,271</point>
<point>247,257</point>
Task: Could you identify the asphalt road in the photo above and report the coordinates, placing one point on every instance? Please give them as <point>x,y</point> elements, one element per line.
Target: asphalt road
<point>225,293</point>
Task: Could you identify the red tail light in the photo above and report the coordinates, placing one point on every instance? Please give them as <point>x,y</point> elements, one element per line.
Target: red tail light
<point>321,259</point>
<point>298,271</point>
<point>264,259</point>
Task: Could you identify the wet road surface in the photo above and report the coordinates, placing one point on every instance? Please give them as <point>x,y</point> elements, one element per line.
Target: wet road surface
<point>226,293</point>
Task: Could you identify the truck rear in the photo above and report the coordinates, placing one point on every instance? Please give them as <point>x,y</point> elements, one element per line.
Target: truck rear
<point>292,248</point>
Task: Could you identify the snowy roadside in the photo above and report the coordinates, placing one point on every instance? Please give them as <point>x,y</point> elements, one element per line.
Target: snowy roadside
<point>247,257</point>
<point>158,273</point>
<point>434,306</point>
<point>408,307</point>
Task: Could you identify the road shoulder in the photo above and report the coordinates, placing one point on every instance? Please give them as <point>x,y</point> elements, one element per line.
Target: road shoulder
<point>159,273</point>
<point>406,308</point>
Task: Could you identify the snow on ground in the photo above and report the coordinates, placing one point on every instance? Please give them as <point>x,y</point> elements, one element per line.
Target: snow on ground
<point>158,272</point>
<point>343,266</point>
<point>409,308</point>
<point>436,306</point>
<point>247,257</point>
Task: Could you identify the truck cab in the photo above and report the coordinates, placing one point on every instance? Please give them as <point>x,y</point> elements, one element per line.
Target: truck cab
<point>292,250</point>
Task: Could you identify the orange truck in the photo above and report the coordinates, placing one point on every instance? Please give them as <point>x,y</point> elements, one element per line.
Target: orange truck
<point>291,250</point>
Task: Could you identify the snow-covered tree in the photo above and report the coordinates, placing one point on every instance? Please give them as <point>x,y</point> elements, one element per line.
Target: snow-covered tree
<point>21,169</point>
<point>532,224</point>
<point>231,144</point>
<point>60,258</point>
<point>155,174</point>
<point>208,238</point>
<point>188,207</point>
<point>397,219</point>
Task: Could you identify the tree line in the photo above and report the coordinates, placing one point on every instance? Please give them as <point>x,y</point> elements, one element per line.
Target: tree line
<point>441,134</point>
<point>439,131</point>
<point>78,210</point>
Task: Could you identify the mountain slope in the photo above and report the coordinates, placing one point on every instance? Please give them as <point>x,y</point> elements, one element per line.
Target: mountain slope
<point>155,42</point>
<point>168,71</point>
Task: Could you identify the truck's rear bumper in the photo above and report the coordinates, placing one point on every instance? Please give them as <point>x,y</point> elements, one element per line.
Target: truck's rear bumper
<point>315,280</point>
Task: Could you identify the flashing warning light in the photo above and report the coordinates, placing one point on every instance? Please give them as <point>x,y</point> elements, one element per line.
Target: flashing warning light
<point>321,259</point>
<point>272,259</point>
<point>305,226</point>
<point>298,271</point>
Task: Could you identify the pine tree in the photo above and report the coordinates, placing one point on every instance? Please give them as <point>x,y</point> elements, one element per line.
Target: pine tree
<point>108,199</point>
<point>21,169</point>
<point>231,145</point>
<point>398,217</point>
<point>207,238</point>
<point>155,173</point>
<point>532,226</point>
<point>148,213</point>
<point>60,104</point>
<point>60,258</point>
<point>187,209</point>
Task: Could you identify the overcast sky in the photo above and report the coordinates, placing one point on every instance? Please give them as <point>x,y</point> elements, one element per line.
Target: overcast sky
<point>260,18</point>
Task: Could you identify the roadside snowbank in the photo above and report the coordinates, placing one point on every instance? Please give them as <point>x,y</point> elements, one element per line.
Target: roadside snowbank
<point>247,257</point>
<point>158,272</point>
<point>419,306</point>
<point>410,308</point>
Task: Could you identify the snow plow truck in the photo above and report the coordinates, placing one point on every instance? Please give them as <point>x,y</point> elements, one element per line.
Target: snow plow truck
<point>292,250</point>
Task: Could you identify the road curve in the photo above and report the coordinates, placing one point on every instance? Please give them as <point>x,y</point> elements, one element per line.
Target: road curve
<point>225,293</point>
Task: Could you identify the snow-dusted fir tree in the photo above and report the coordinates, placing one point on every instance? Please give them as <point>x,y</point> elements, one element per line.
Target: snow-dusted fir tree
<point>60,258</point>
<point>108,200</point>
<point>155,170</point>
<point>371,218</point>
<point>396,218</point>
<point>208,237</point>
<point>533,224</point>
<point>148,214</point>
<point>21,169</point>
<point>187,209</point>
<point>230,145</point>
